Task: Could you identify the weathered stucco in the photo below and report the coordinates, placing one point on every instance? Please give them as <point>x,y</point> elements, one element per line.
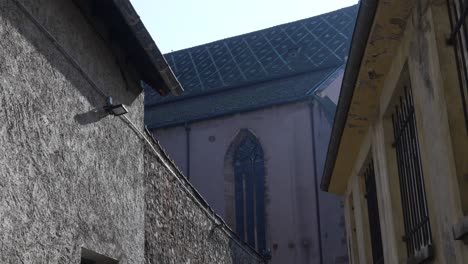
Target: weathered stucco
<point>423,61</point>
<point>70,178</point>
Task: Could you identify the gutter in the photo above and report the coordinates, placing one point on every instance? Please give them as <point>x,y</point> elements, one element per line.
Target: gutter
<point>147,43</point>
<point>364,22</point>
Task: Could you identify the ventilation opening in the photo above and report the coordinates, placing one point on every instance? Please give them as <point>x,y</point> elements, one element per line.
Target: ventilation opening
<point>91,257</point>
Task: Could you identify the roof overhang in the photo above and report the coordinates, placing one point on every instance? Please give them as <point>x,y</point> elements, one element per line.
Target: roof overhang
<point>379,28</point>
<point>119,24</point>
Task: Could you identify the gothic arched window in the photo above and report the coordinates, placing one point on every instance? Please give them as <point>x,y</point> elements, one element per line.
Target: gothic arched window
<point>249,184</point>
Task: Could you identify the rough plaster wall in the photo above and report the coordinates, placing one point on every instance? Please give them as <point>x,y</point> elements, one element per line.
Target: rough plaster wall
<point>178,230</point>
<point>424,49</point>
<point>431,117</point>
<point>67,178</point>
<point>70,179</point>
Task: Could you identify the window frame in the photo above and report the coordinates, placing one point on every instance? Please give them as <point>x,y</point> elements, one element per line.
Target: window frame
<point>249,195</point>
<point>352,239</point>
<point>459,40</point>
<point>371,196</point>
<point>406,147</point>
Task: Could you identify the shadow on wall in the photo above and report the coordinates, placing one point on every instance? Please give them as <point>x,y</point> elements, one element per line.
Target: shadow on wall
<point>90,117</point>
<point>25,25</point>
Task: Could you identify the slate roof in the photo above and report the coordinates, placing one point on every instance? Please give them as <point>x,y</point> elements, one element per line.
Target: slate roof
<point>271,66</point>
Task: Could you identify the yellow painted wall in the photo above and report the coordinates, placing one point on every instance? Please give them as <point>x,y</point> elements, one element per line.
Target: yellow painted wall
<point>430,66</point>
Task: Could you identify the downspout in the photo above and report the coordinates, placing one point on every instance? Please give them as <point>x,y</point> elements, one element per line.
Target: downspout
<point>187,147</point>
<point>317,202</point>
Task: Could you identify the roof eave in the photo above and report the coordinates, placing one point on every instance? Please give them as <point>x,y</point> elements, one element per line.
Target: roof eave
<point>364,22</point>
<point>146,42</point>
<point>170,124</point>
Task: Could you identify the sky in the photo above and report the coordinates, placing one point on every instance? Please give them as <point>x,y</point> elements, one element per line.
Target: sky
<point>180,24</point>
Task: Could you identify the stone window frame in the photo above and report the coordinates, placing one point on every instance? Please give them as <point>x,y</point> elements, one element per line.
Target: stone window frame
<point>370,165</point>
<point>350,214</point>
<point>456,96</point>
<point>229,181</point>
<point>424,253</point>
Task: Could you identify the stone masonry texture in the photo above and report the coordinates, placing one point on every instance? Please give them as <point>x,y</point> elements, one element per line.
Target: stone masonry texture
<point>71,178</point>
<point>177,231</point>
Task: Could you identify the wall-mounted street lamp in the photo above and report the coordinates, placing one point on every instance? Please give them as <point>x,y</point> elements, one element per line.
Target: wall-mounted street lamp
<point>115,110</point>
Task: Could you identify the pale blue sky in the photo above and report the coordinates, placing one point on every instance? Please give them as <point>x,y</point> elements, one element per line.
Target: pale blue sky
<point>180,24</point>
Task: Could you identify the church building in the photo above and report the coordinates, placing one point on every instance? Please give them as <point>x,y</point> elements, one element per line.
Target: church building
<point>252,128</point>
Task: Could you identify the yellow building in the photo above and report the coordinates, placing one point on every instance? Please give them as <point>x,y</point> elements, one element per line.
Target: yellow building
<point>399,146</point>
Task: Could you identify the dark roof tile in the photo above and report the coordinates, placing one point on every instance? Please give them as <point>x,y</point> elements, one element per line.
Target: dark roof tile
<point>224,75</point>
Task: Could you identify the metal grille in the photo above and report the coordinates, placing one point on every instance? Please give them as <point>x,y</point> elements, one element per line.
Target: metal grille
<point>458,10</point>
<point>373,213</point>
<point>413,195</point>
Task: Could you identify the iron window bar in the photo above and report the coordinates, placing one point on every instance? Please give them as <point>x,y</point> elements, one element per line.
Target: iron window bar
<point>459,23</point>
<point>458,11</point>
<point>418,235</point>
<point>373,214</point>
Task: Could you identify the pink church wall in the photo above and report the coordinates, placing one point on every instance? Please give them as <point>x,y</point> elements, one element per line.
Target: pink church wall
<point>286,138</point>
<point>285,135</point>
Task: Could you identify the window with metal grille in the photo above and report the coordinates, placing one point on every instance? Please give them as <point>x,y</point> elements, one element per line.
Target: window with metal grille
<point>417,236</point>
<point>458,10</point>
<point>249,173</point>
<point>373,214</point>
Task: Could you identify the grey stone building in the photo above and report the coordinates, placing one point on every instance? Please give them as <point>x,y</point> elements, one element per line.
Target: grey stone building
<point>78,185</point>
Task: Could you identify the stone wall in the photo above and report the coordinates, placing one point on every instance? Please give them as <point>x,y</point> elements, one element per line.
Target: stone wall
<point>71,179</point>
<point>180,227</point>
